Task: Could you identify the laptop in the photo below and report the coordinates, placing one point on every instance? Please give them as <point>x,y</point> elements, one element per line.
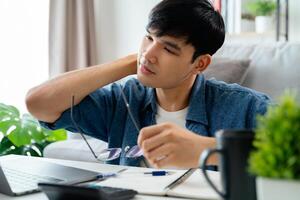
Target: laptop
<point>21,175</point>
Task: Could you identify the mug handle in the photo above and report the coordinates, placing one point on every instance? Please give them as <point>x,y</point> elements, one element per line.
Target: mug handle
<point>203,160</point>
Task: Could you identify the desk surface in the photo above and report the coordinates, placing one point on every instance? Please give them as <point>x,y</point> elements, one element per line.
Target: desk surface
<point>83,165</point>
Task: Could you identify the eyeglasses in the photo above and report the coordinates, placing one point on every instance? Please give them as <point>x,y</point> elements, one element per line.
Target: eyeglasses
<point>112,153</point>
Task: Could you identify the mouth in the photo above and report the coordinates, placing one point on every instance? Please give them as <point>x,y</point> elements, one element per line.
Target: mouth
<point>145,70</point>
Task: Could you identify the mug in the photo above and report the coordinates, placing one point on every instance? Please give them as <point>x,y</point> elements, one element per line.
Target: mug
<point>233,147</point>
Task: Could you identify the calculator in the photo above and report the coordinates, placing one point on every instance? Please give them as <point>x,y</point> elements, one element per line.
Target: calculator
<point>56,191</point>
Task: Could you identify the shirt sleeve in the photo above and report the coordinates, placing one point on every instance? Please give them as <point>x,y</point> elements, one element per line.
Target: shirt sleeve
<point>258,106</point>
<point>93,115</point>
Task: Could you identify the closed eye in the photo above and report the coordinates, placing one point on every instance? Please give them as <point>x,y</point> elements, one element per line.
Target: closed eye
<point>169,51</point>
<point>148,37</point>
<point>166,48</point>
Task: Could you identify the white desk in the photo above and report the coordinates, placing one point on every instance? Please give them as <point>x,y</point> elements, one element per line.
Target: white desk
<point>83,165</point>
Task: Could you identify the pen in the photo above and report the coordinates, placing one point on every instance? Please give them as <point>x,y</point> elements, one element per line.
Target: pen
<point>181,179</point>
<point>99,177</point>
<point>109,174</point>
<point>106,175</point>
<point>158,173</point>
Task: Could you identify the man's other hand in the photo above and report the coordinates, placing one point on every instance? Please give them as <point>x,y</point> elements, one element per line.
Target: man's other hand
<point>168,145</point>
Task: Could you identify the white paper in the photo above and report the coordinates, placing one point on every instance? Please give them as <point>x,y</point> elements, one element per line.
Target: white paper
<point>197,187</point>
<point>143,183</point>
<point>194,187</point>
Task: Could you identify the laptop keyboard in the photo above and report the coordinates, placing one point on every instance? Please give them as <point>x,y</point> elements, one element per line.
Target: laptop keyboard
<point>20,181</point>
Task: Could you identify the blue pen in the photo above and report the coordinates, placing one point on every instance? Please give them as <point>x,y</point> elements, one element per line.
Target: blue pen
<point>109,174</point>
<point>158,173</point>
<point>106,175</point>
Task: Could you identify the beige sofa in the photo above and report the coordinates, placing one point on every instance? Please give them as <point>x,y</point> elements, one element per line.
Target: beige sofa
<point>273,67</point>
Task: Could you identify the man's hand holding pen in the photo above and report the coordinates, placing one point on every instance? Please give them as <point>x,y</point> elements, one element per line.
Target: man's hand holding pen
<point>167,145</point>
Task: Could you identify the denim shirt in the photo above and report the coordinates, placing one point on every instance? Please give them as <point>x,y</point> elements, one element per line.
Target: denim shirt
<point>213,105</point>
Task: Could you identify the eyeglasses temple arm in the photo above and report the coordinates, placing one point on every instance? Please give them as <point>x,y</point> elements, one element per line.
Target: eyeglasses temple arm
<point>129,111</point>
<point>133,120</point>
<point>78,130</point>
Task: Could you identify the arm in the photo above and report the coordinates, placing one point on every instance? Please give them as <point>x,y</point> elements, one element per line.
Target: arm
<point>168,145</point>
<point>47,101</point>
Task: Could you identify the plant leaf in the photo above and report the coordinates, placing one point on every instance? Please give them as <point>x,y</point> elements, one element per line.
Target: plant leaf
<point>32,128</point>
<point>24,135</point>
<point>31,150</point>
<point>56,135</point>
<point>7,147</point>
<point>277,140</point>
<point>8,110</point>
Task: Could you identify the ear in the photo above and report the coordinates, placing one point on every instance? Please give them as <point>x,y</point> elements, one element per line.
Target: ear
<point>201,63</point>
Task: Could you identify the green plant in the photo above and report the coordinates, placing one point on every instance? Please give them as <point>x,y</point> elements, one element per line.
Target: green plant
<point>248,16</point>
<point>23,135</point>
<point>261,7</point>
<point>277,141</point>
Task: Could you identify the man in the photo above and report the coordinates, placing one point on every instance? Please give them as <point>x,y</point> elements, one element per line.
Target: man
<point>177,109</point>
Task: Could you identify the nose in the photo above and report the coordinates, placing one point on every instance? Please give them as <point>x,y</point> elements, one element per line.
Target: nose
<point>150,54</point>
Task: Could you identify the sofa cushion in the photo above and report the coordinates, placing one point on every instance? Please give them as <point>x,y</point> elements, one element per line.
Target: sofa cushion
<point>274,66</point>
<point>227,70</point>
<point>74,149</point>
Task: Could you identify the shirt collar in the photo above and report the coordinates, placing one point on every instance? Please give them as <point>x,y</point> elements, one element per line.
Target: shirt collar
<point>197,104</point>
<point>197,107</point>
<point>150,100</point>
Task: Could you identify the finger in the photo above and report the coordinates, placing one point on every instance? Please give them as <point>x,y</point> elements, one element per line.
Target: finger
<point>149,131</point>
<point>155,141</point>
<point>151,163</point>
<point>168,161</point>
<point>159,152</point>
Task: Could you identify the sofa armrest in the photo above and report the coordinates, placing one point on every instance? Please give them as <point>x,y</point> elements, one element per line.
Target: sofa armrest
<point>74,149</point>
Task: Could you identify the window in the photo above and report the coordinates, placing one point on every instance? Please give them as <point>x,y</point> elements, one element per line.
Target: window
<point>23,48</point>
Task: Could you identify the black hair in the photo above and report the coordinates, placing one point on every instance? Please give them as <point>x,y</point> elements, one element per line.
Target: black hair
<point>194,20</point>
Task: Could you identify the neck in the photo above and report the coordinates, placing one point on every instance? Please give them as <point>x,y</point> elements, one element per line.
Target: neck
<point>177,98</point>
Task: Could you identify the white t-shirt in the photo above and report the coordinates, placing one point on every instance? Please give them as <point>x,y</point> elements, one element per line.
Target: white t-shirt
<point>177,117</point>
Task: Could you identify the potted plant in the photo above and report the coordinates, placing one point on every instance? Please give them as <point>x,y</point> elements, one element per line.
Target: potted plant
<point>247,22</point>
<point>276,158</point>
<point>263,10</point>
<point>22,134</point>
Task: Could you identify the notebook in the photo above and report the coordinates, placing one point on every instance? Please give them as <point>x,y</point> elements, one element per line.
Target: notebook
<point>21,175</point>
<point>195,186</point>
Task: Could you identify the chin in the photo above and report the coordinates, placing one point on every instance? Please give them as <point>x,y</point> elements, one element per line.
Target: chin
<point>146,81</point>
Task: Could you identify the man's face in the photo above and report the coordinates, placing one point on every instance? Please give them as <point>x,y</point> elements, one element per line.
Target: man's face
<point>164,62</point>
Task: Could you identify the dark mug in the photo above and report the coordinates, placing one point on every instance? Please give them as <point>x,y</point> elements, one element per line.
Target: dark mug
<point>234,147</point>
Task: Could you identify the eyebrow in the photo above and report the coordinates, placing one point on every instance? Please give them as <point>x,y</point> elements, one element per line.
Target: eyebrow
<point>168,43</point>
<point>171,44</point>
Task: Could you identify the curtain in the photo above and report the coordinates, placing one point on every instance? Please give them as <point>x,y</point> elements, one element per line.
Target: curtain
<point>72,35</point>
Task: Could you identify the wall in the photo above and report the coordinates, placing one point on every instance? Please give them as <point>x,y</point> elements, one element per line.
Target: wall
<point>234,16</point>
<point>23,48</point>
<point>294,24</point>
<point>121,26</point>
